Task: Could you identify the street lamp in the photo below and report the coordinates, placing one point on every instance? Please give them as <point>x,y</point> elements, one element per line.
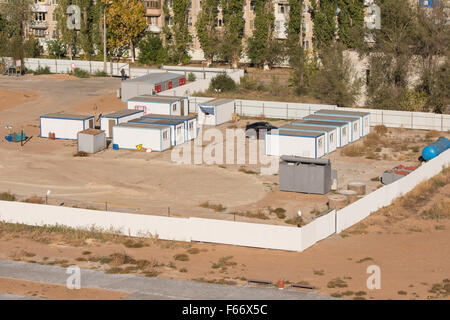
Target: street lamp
<point>104,35</point>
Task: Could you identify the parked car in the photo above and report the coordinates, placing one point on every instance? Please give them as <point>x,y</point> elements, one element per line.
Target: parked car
<point>258,129</point>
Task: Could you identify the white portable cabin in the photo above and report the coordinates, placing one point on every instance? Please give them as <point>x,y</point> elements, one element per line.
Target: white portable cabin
<point>177,130</point>
<point>364,122</point>
<point>215,112</point>
<point>305,144</point>
<point>353,124</point>
<point>177,106</point>
<point>330,134</point>
<point>141,135</point>
<point>190,123</point>
<point>64,126</point>
<point>342,129</point>
<point>108,121</point>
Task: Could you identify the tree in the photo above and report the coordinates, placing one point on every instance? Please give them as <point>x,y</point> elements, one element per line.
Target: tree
<point>391,56</point>
<point>32,48</point>
<point>87,40</point>
<point>233,25</point>
<point>351,22</point>
<point>206,29</point>
<point>17,14</point>
<point>180,32</point>
<point>151,51</point>
<point>336,81</point>
<point>222,83</point>
<point>323,15</point>
<point>126,24</point>
<point>263,49</point>
<point>57,49</point>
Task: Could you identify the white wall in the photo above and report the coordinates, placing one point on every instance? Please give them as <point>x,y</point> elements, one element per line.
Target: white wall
<point>288,110</point>
<point>219,231</point>
<point>384,196</point>
<point>62,128</point>
<point>130,137</point>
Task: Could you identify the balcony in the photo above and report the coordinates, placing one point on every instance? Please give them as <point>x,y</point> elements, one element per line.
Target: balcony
<point>153,29</point>
<point>39,7</point>
<point>36,24</point>
<point>153,8</point>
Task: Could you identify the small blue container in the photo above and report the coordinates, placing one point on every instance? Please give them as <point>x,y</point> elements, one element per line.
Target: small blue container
<point>115,146</point>
<point>8,138</point>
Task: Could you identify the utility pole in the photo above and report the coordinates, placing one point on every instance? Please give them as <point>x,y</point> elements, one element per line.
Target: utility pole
<point>104,34</point>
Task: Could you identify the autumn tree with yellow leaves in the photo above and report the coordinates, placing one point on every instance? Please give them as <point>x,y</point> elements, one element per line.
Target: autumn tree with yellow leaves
<point>126,24</point>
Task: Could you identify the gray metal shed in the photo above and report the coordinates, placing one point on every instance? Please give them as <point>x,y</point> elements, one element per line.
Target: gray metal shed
<point>91,140</point>
<point>151,83</point>
<point>305,175</point>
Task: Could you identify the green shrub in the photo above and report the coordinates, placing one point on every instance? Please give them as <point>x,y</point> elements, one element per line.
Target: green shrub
<point>101,73</point>
<point>40,70</point>
<point>7,196</point>
<point>191,77</point>
<point>181,257</point>
<point>222,83</point>
<point>152,51</point>
<point>80,73</point>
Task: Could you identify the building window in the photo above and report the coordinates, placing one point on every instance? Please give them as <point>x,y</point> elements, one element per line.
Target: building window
<point>219,23</point>
<point>306,44</point>
<point>39,16</point>
<point>331,137</point>
<point>165,135</point>
<point>283,8</point>
<point>252,5</point>
<point>39,33</point>
<point>174,107</point>
<point>55,33</point>
<point>191,126</point>
<point>320,143</point>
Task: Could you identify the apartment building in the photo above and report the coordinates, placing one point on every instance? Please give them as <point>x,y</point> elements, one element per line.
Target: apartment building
<point>155,20</point>
<point>42,25</point>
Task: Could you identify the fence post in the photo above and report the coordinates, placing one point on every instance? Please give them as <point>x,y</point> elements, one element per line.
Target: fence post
<point>382,117</point>
<point>412,116</point>
<point>263,109</point>
<point>287,111</point>
<point>241,108</point>
<point>56,66</point>
<point>442,122</point>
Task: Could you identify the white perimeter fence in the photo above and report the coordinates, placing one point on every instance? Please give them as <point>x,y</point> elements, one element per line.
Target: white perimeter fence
<point>220,231</point>
<point>289,110</point>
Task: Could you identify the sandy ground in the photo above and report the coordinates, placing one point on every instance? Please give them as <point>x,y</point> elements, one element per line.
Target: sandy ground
<point>150,183</point>
<point>145,183</point>
<point>55,291</point>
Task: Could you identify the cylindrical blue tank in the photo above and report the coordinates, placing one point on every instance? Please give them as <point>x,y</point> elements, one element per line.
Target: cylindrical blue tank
<point>435,149</point>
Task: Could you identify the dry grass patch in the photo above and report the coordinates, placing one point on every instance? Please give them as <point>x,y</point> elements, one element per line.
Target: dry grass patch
<point>181,257</point>
<point>34,199</point>
<point>337,283</point>
<point>216,207</point>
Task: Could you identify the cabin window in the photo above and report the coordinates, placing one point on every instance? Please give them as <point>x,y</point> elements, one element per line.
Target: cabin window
<point>344,131</point>
<point>165,135</point>
<point>355,127</point>
<point>191,126</point>
<point>331,137</point>
<point>320,143</point>
<point>174,107</point>
<point>178,130</point>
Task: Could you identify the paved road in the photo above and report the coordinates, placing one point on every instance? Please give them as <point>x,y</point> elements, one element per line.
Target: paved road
<point>148,288</point>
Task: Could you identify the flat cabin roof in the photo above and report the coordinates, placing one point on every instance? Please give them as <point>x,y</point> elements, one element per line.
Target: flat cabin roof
<point>216,102</point>
<point>156,121</point>
<point>92,132</point>
<point>305,160</point>
<point>165,116</point>
<point>348,113</point>
<point>149,98</point>
<point>122,113</point>
<point>161,96</point>
<point>141,125</point>
<point>321,123</point>
<point>350,119</point>
<point>67,116</point>
<point>306,128</point>
<point>157,77</point>
<point>300,133</point>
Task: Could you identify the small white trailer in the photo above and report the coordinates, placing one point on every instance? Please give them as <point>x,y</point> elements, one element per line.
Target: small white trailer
<point>364,122</point>
<point>177,130</point>
<point>330,134</point>
<point>138,136</point>
<point>64,126</point>
<point>353,122</point>
<point>305,144</point>
<point>342,129</point>
<point>108,121</point>
<point>215,112</point>
<point>178,106</point>
<point>190,123</point>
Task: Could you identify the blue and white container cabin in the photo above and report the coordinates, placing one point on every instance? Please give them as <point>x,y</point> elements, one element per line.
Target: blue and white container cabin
<point>138,136</point>
<point>342,129</point>
<point>177,106</point>
<point>364,122</point>
<point>108,121</point>
<point>190,123</point>
<point>330,134</point>
<point>64,126</point>
<point>353,122</point>
<point>281,142</point>
<point>177,130</point>
<point>215,112</point>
